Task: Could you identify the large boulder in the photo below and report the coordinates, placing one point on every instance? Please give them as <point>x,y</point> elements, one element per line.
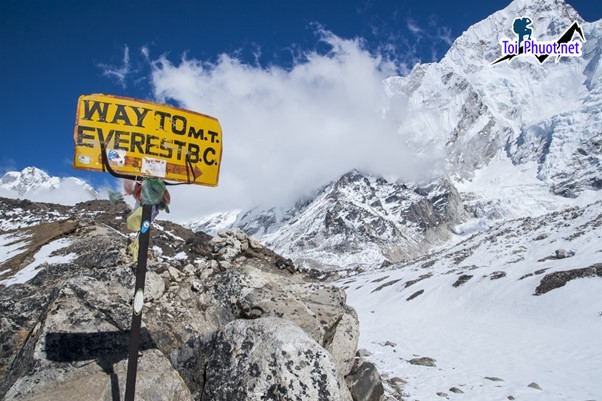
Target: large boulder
<point>365,382</point>
<point>270,359</point>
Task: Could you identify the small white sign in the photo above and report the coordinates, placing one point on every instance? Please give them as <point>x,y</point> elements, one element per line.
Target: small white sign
<point>138,301</point>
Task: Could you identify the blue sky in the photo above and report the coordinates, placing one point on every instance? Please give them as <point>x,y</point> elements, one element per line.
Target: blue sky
<point>54,51</point>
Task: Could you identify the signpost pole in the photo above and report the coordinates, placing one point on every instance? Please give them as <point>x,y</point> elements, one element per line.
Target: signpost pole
<point>130,387</point>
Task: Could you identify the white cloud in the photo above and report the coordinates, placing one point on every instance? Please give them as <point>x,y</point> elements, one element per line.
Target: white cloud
<point>119,73</point>
<point>288,131</point>
<point>413,27</point>
<point>445,35</point>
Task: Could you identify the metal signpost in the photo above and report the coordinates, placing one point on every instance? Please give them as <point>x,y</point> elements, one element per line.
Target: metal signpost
<point>130,386</point>
<point>139,140</point>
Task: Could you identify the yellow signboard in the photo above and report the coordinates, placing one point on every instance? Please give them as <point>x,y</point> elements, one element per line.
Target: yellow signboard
<point>147,140</point>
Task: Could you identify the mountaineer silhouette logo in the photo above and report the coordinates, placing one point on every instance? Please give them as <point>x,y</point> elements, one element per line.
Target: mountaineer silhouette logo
<point>521,28</point>
<point>564,46</point>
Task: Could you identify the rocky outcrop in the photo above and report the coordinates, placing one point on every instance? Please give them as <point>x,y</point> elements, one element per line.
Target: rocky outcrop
<point>559,279</point>
<point>224,319</point>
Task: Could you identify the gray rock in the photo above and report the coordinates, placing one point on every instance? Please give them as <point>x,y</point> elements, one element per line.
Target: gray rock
<point>228,253</point>
<point>98,387</point>
<point>240,234</point>
<point>397,381</point>
<point>269,358</point>
<point>414,295</point>
<point>189,269</point>
<point>534,385</point>
<point>563,253</point>
<point>362,353</point>
<point>423,361</point>
<point>251,290</point>
<point>461,280</point>
<point>255,244</point>
<point>497,275</point>
<point>365,383</point>
<point>558,279</point>
<point>154,286</point>
<point>456,390</point>
<point>78,343</point>
<point>174,273</point>
<point>316,308</point>
<point>343,344</point>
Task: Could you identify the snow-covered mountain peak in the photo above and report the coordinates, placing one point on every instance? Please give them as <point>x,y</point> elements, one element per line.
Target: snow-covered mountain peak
<point>28,179</point>
<point>550,18</point>
<point>34,184</point>
<point>541,9</point>
<point>522,110</point>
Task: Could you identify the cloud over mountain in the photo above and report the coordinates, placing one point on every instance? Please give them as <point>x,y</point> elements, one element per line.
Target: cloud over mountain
<point>288,131</point>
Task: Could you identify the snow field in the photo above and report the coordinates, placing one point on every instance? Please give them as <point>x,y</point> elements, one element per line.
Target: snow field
<point>491,327</point>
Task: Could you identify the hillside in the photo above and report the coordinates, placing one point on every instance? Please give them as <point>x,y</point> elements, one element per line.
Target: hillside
<point>516,304</point>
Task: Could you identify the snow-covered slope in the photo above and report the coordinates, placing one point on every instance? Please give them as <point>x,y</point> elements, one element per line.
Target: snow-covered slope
<point>519,303</point>
<point>34,184</point>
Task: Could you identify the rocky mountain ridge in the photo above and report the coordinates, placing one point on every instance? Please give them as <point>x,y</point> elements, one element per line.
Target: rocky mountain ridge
<point>224,317</point>
<point>360,221</point>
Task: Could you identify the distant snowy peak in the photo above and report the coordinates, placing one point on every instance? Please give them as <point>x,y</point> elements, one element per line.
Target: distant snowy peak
<point>34,184</point>
<point>29,179</point>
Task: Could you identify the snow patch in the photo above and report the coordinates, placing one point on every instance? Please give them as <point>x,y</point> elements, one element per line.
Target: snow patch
<point>45,256</point>
<point>11,245</point>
